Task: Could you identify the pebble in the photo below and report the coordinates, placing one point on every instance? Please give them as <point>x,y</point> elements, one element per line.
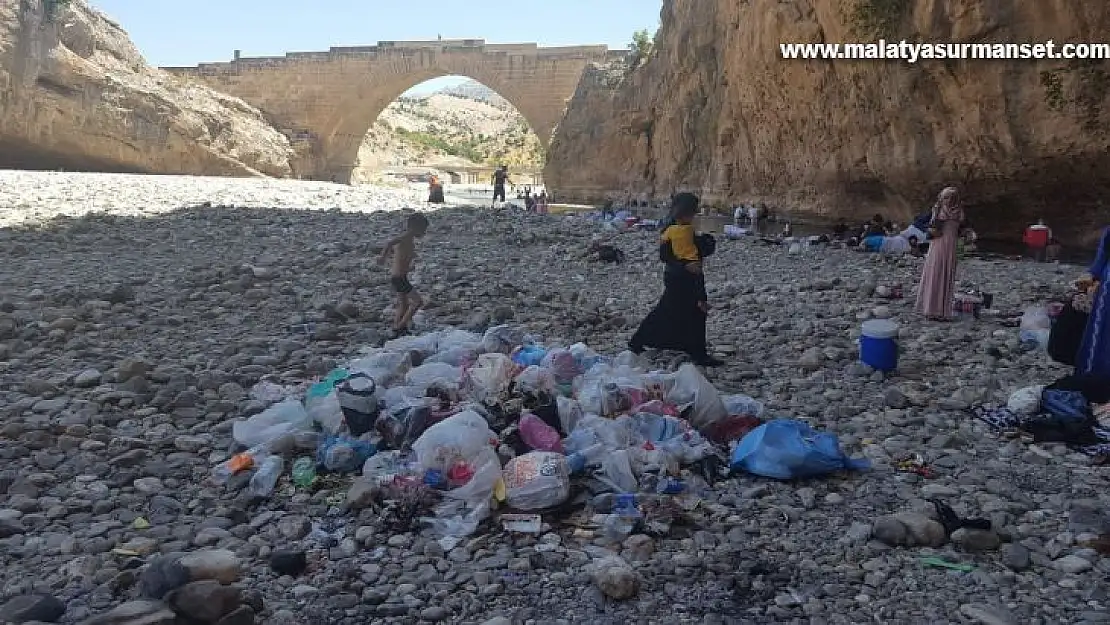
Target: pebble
<point>131,339</point>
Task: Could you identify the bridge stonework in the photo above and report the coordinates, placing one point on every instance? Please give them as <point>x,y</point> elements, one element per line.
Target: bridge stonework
<point>326,101</point>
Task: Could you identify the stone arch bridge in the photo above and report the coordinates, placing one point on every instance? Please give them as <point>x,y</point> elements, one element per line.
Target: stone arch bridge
<point>326,101</point>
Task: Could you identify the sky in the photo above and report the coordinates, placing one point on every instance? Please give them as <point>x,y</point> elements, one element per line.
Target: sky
<point>188,32</point>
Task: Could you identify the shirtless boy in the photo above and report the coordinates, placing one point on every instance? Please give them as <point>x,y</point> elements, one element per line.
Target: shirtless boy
<point>403,248</point>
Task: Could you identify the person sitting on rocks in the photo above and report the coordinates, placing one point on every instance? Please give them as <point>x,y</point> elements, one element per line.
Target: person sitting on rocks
<point>678,321</point>
<point>403,248</point>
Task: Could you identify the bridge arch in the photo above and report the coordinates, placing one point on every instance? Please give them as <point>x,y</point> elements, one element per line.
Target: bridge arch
<point>327,101</point>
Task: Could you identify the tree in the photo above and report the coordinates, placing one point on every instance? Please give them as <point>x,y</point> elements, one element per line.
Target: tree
<point>643,44</point>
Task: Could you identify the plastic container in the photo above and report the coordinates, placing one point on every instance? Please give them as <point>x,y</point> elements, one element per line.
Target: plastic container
<point>878,344</point>
<point>304,472</point>
<point>265,479</point>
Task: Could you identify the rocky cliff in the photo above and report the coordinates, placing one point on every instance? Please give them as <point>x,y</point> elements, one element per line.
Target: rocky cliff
<point>76,94</point>
<point>717,110</point>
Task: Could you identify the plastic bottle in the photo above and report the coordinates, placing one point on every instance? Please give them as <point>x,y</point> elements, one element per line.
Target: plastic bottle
<point>304,472</point>
<point>265,479</point>
<point>622,521</point>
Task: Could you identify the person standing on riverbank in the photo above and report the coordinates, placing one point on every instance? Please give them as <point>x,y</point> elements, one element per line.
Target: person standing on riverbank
<point>678,321</point>
<point>938,277</point>
<point>500,179</point>
<point>1094,351</point>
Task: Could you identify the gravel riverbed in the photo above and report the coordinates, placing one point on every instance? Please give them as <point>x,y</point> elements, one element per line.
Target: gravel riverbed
<point>129,337</point>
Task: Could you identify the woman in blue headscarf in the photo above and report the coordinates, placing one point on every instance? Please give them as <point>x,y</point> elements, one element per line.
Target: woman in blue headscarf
<point>1094,352</point>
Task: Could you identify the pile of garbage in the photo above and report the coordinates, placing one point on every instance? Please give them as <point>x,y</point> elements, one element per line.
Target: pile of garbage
<point>502,420</point>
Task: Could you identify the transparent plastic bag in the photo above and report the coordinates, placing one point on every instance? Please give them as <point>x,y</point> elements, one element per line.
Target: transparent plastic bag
<point>653,428</point>
<point>562,364</point>
<point>461,356</point>
<point>613,434</point>
<point>282,418</point>
<point>489,377</point>
<point>499,340</point>
<point>424,344</point>
<point>326,411</point>
<point>629,360</point>
<point>436,375</point>
<point>536,379</point>
<point>536,480</point>
<point>343,454</point>
<point>387,368</point>
<point>570,412</point>
<point>692,391</point>
<point>742,405</point>
<point>458,339</point>
<point>616,471</point>
<point>461,439</point>
<point>1035,318</point>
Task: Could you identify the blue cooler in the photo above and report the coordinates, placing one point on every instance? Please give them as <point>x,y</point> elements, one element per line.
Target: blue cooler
<point>878,345</point>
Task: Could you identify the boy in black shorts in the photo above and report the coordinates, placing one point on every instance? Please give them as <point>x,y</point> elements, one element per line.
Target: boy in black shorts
<point>404,248</point>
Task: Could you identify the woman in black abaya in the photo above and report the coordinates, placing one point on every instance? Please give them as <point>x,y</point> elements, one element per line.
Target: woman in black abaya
<point>678,321</point>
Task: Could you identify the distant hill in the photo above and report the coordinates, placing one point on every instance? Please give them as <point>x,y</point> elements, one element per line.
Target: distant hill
<point>475,90</point>
<point>468,124</point>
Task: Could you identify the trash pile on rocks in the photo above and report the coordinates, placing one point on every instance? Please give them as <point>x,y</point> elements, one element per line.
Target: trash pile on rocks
<point>458,424</point>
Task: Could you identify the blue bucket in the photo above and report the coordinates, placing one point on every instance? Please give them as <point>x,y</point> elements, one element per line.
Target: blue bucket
<point>878,345</point>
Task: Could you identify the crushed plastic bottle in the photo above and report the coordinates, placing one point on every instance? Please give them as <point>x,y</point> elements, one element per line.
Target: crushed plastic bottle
<point>622,521</point>
<point>304,472</point>
<point>265,479</point>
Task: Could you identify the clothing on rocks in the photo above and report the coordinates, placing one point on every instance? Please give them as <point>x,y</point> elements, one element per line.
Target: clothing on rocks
<point>1094,351</point>
<point>938,277</point>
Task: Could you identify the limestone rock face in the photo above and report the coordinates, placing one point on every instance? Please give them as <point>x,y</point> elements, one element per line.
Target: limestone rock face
<point>76,94</point>
<point>717,110</point>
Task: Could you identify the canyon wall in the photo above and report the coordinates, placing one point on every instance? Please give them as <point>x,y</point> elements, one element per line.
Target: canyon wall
<point>716,110</point>
<point>76,94</point>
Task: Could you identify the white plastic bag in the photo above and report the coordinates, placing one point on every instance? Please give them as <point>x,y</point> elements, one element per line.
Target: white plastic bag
<point>462,438</point>
<point>460,356</point>
<point>434,375</point>
<point>742,405</point>
<point>327,411</point>
<point>1025,401</point>
<point>536,379</point>
<point>1036,318</point>
<point>691,389</point>
<point>425,344</point>
<point>570,412</point>
<point>536,480</point>
<point>616,471</point>
<point>458,339</point>
<point>282,418</point>
<point>386,367</point>
<point>612,434</point>
<point>499,340</point>
<point>489,377</point>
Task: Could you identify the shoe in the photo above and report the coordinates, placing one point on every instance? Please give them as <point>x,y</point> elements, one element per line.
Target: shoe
<point>709,361</point>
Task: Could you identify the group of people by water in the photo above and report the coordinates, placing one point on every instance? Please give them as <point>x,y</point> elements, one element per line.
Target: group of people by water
<point>678,321</point>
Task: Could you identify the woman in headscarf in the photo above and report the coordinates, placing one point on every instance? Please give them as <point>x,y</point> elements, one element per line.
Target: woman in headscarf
<point>678,321</point>
<point>938,278</point>
<point>1094,351</point>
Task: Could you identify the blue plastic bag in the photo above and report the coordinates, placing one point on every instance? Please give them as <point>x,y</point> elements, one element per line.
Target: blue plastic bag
<point>1065,405</point>
<point>529,355</point>
<point>786,449</point>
